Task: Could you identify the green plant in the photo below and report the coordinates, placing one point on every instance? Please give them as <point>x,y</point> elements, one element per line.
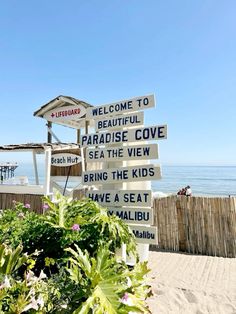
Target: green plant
<point>105,283</point>
<point>11,260</point>
<point>78,238</point>
<point>19,295</point>
<point>96,225</point>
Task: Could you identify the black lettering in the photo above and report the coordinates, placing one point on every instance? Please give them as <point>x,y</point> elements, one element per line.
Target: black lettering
<point>116,199</point>
<point>139,102</point>
<point>146,151</point>
<point>134,173</point>
<point>138,134</point>
<point>161,133</point>
<point>145,101</point>
<point>151,172</point>
<point>95,112</point>
<point>119,214</point>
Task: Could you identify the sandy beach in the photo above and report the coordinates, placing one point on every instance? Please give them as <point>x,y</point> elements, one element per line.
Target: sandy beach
<point>185,283</point>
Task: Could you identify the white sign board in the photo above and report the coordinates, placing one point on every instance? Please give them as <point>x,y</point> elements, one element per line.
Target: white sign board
<point>120,107</point>
<point>138,198</point>
<point>119,122</point>
<point>156,132</point>
<point>144,234</point>
<point>132,152</point>
<point>73,112</point>
<point>65,159</point>
<point>133,215</point>
<point>123,174</point>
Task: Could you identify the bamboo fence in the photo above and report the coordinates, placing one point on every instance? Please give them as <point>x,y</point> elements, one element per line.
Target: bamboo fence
<point>36,203</point>
<point>198,225</point>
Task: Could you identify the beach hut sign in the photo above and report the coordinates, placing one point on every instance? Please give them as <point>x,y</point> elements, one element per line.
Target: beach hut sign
<point>65,159</point>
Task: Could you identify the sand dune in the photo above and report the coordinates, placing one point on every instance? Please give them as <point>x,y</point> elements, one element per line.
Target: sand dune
<point>184,283</point>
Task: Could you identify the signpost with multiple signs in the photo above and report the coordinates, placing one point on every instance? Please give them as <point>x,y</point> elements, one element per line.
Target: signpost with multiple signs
<point>121,137</point>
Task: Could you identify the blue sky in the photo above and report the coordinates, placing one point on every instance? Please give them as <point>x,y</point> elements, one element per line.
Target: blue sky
<point>103,51</point>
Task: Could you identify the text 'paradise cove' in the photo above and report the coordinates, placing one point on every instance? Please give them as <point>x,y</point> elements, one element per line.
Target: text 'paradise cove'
<point>132,135</point>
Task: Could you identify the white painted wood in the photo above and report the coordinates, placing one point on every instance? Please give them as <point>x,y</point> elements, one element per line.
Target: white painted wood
<point>157,132</point>
<point>142,248</point>
<point>61,189</point>
<point>67,100</point>
<point>124,174</point>
<point>119,122</point>
<point>56,180</point>
<point>121,106</point>
<point>131,152</point>
<point>70,123</point>
<point>113,198</point>
<point>137,215</point>
<point>35,169</point>
<point>63,178</point>
<point>65,113</point>
<point>22,189</point>
<point>47,180</point>
<point>82,151</point>
<point>53,134</point>
<point>65,159</point>
<point>144,234</point>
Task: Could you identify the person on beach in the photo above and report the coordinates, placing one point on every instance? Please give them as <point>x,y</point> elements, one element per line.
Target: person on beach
<point>188,191</point>
<point>181,192</point>
<point>185,191</point>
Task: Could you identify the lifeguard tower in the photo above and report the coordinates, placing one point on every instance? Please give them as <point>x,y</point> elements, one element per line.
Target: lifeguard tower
<point>63,163</point>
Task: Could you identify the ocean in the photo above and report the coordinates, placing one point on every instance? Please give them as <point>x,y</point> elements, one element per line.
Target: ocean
<point>204,180</point>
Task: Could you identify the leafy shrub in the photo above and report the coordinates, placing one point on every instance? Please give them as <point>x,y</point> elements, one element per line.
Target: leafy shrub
<point>74,245</point>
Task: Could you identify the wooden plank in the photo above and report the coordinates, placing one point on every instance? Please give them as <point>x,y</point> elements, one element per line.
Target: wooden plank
<point>121,197</point>
<point>21,189</point>
<point>121,106</point>
<point>119,122</point>
<point>63,171</point>
<point>65,159</point>
<point>65,113</point>
<point>123,174</point>
<point>137,215</point>
<point>144,234</point>
<point>131,152</point>
<point>156,132</point>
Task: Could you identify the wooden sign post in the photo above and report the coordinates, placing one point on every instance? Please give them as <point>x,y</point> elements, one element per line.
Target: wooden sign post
<point>121,143</point>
